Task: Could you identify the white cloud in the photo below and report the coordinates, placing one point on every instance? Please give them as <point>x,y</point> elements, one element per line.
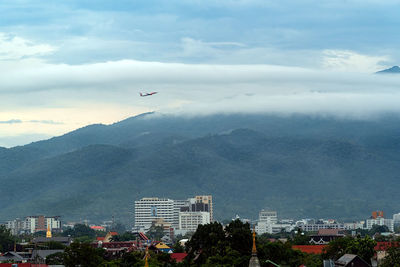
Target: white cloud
<point>13,48</point>
<point>344,60</point>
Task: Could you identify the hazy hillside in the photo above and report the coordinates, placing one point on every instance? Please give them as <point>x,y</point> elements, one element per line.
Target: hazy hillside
<point>300,166</point>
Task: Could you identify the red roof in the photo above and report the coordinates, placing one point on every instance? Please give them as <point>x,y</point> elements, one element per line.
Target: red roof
<point>178,256</point>
<point>95,227</point>
<point>113,233</point>
<point>310,249</point>
<point>328,232</point>
<point>100,238</point>
<point>383,246</point>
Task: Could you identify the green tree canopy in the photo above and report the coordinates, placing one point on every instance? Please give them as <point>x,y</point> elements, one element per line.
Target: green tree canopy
<point>83,254</point>
<point>361,246</point>
<point>80,230</point>
<point>6,239</point>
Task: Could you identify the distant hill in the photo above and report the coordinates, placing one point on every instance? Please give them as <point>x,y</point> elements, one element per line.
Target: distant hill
<point>392,70</point>
<point>298,165</point>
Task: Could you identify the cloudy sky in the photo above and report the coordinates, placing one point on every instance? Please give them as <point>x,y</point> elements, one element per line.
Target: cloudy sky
<point>67,64</point>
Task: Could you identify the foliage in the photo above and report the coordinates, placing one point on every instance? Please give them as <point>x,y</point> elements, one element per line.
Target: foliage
<point>132,259</point>
<point>127,236</point>
<point>178,248</point>
<point>155,233</point>
<point>392,258</point>
<point>52,245</point>
<point>80,230</point>
<point>6,239</point>
<point>83,254</point>
<point>378,229</point>
<point>55,259</point>
<point>300,238</point>
<point>118,227</point>
<point>361,246</point>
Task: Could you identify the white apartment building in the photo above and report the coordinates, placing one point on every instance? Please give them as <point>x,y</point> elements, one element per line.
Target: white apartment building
<point>148,210</point>
<point>380,221</point>
<point>396,218</point>
<point>189,221</point>
<point>270,217</point>
<point>178,205</point>
<point>263,227</point>
<point>315,227</point>
<point>32,224</point>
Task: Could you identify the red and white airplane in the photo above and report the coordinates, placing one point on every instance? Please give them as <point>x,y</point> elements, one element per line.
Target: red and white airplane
<point>148,94</point>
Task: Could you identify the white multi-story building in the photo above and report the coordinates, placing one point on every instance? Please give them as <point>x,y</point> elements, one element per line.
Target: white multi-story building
<point>189,221</point>
<point>263,227</point>
<point>380,221</point>
<point>315,227</point>
<point>32,224</point>
<point>268,223</point>
<point>270,217</point>
<point>178,206</point>
<point>396,218</point>
<point>148,210</point>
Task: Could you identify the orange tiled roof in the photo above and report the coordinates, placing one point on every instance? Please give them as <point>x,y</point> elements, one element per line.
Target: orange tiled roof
<point>310,249</point>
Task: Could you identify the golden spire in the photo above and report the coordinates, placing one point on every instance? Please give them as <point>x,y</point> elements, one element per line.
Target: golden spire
<point>146,264</point>
<point>254,249</point>
<point>48,233</point>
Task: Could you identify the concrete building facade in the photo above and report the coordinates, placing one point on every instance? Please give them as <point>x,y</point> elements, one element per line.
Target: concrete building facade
<point>190,220</point>
<point>148,210</point>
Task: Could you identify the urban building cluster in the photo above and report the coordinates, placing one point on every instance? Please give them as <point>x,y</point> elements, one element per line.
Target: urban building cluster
<point>268,223</point>
<point>33,224</point>
<point>175,216</point>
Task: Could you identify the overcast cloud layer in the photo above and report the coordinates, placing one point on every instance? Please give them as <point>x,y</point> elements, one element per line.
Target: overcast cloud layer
<point>71,63</point>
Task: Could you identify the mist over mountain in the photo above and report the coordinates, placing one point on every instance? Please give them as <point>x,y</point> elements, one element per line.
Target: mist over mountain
<point>301,166</point>
<point>392,70</point>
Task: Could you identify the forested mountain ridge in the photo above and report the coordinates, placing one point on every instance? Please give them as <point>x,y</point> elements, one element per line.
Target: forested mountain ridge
<point>300,166</point>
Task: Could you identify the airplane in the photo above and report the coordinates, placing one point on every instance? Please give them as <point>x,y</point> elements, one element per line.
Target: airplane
<point>148,94</point>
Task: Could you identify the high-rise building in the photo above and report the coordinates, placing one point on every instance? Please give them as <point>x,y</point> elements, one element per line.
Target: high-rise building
<point>396,218</point>
<point>380,221</point>
<point>179,205</point>
<point>190,220</point>
<point>148,210</point>
<point>202,203</point>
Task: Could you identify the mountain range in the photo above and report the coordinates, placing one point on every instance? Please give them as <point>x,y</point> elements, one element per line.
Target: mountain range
<point>301,166</point>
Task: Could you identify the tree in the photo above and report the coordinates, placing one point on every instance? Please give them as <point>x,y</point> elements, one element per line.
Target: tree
<point>178,248</point>
<point>301,238</point>
<point>118,227</point>
<point>132,259</point>
<point>239,237</point>
<point>52,245</point>
<point>363,247</point>
<point>83,254</point>
<point>127,236</point>
<point>155,232</point>
<point>80,230</point>
<point>392,258</point>
<point>208,240</point>
<point>378,229</point>
<point>6,239</point>
<point>55,259</point>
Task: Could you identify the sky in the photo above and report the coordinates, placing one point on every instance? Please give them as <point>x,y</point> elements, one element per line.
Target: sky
<point>66,64</point>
